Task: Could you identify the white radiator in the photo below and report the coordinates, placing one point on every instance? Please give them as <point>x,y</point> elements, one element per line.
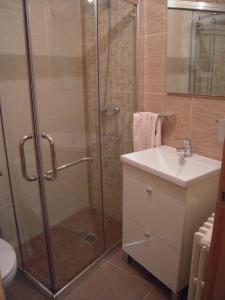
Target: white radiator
<point>201,245</point>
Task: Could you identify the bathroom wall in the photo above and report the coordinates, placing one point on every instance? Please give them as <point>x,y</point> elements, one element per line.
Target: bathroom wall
<point>194,117</point>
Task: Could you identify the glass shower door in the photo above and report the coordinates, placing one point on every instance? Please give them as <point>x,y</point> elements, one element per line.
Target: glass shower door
<point>17,121</point>
<point>7,222</point>
<point>68,115</point>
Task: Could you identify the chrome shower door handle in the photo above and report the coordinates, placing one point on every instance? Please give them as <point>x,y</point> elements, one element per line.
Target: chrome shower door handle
<point>23,159</point>
<point>54,173</point>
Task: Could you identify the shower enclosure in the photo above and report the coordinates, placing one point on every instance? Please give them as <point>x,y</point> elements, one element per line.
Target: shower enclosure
<point>67,92</point>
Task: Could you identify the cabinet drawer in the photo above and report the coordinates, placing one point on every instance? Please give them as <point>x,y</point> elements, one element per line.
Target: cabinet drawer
<point>152,253</point>
<point>149,203</point>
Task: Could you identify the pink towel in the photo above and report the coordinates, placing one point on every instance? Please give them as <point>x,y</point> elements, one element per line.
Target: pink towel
<point>146,131</point>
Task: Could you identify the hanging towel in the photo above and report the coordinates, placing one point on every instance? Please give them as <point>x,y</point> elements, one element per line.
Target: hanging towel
<point>146,130</point>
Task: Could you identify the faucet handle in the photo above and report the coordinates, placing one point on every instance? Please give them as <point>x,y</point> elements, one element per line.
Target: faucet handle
<point>187,147</point>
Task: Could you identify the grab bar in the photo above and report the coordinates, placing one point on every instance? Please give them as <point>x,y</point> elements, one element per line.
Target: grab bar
<point>23,159</point>
<point>53,157</point>
<point>66,166</point>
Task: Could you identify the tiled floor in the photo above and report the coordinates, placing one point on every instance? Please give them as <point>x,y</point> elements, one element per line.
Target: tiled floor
<point>112,279</point>
<point>72,253</point>
<point>22,289</point>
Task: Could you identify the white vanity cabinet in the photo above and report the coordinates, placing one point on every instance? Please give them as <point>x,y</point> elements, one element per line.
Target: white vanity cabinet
<point>159,221</point>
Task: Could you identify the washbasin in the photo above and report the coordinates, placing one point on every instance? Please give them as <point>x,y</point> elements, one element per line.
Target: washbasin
<point>165,162</point>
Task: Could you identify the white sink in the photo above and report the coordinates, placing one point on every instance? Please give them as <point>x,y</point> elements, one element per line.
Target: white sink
<point>164,162</point>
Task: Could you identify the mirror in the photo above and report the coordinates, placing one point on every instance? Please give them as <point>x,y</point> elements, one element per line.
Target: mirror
<point>196,50</point>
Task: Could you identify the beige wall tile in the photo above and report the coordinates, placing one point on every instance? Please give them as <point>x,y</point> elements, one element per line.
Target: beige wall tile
<point>152,74</point>
<point>154,16</point>
<point>203,126</point>
<point>152,63</point>
<point>153,44</point>
<point>150,102</point>
<point>179,125</point>
<point>117,74</point>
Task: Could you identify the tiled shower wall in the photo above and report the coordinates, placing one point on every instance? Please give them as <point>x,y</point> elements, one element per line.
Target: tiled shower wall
<point>117,54</point>
<point>117,81</point>
<point>194,117</point>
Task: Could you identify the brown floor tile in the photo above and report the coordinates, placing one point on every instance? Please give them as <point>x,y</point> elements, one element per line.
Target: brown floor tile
<point>22,289</point>
<point>112,279</point>
<point>117,258</point>
<point>109,282</point>
<point>159,292</point>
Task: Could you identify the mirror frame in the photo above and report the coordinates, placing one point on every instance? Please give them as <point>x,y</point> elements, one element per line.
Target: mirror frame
<point>201,6</point>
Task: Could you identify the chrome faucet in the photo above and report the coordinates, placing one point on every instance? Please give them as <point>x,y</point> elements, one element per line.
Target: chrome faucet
<point>187,147</point>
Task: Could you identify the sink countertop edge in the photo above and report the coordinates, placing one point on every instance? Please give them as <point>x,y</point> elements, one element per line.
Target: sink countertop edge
<point>168,177</point>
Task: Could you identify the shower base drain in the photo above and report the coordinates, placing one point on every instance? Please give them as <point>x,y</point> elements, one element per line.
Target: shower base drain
<point>90,238</point>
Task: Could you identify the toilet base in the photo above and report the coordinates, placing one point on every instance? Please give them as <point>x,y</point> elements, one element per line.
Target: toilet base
<point>6,281</point>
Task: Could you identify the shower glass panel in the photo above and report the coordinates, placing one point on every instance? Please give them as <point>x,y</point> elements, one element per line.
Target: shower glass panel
<point>18,123</point>
<point>58,32</point>
<point>117,82</point>
<point>7,221</point>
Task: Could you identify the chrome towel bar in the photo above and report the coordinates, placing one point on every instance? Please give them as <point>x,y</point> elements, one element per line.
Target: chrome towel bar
<point>66,166</point>
<point>166,115</point>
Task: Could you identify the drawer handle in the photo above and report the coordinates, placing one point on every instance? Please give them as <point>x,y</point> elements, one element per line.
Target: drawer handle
<point>149,190</point>
<point>147,235</point>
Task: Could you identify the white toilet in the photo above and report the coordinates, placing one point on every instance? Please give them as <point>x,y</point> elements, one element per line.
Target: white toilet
<point>8,263</point>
